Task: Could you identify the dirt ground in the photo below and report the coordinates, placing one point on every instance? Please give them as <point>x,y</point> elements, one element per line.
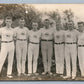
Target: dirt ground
<point>40,77</point>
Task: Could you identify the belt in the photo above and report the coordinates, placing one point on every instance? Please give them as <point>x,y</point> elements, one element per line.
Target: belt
<point>22,39</point>
<point>70,43</point>
<point>33,43</point>
<point>80,45</point>
<point>46,40</point>
<point>6,41</point>
<point>59,43</point>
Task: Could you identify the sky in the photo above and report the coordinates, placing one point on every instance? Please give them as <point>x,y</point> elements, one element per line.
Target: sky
<point>78,9</point>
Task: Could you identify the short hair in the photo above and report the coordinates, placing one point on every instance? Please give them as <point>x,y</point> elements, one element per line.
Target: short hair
<point>46,20</point>
<point>34,22</point>
<point>22,18</point>
<point>69,22</point>
<point>8,18</point>
<point>80,23</point>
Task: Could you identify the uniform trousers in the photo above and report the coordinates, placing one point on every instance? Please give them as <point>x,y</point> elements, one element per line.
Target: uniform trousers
<point>71,53</point>
<point>81,59</point>
<point>59,58</point>
<point>47,52</point>
<point>33,53</point>
<point>21,52</point>
<point>7,49</point>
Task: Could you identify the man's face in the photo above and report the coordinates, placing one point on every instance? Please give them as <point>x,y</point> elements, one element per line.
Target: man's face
<point>21,23</point>
<point>81,27</point>
<point>70,25</point>
<point>46,23</point>
<point>8,22</point>
<point>34,26</point>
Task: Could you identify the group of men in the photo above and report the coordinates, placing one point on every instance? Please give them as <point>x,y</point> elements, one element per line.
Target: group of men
<point>68,44</point>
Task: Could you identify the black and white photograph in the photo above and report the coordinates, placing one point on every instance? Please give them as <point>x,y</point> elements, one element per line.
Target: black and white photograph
<point>41,42</point>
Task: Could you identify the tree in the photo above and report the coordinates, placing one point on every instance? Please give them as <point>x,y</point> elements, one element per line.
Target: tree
<point>55,15</point>
<point>19,10</point>
<point>68,16</point>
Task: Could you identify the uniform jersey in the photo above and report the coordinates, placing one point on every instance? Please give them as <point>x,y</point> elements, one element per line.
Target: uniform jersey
<point>21,33</point>
<point>59,36</point>
<point>34,36</point>
<point>47,34</point>
<point>81,39</point>
<point>71,36</point>
<point>7,34</point>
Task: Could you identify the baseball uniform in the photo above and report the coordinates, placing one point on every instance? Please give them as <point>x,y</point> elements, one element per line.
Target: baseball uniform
<point>71,51</point>
<point>33,50</point>
<point>7,48</point>
<point>81,52</point>
<point>21,48</point>
<point>59,50</point>
<point>47,48</point>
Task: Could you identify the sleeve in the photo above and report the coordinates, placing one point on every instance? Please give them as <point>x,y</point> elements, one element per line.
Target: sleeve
<point>77,34</point>
<point>15,34</point>
<point>53,35</point>
<point>39,32</point>
<point>64,34</point>
<point>0,31</point>
<point>0,34</point>
<point>27,31</point>
<point>41,29</point>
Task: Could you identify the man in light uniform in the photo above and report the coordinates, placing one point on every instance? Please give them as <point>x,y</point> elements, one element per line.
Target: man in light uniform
<point>71,50</point>
<point>47,46</point>
<point>33,49</point>
<point>7,45</point>
<point>59,48</point>
<point>81,47</point>
<point>21,46</point>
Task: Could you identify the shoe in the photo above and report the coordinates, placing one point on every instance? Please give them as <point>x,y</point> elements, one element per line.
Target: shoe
<point>50,73</point>
<point>9,76</point>
<point>24,74</point>
<point>65,77</point>
<point>61,75</point>
<point>36,74</point>
<point>73,77</point>
<point>44,73</point>
<point>19,74</point>
<point>29,74</point>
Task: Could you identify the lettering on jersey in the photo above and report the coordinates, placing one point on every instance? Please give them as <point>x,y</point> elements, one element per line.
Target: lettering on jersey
<point>23,33</point>
<point>35,36</point>
<point>57,36</point>
<point>7,35</point>
<point>46,34</point>
<point>69,36</point>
